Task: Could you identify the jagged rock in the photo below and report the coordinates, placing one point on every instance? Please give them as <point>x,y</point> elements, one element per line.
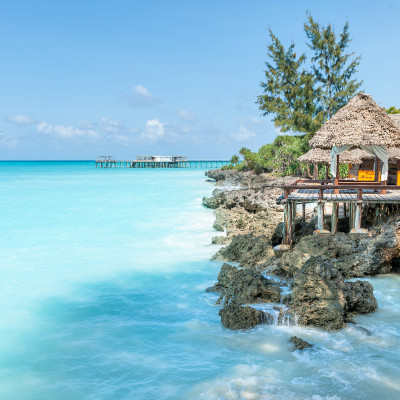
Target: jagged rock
<point>225,278</point>
<point>353,258</point>
<point>318,294</point>
<point>220,240</point>
<point>360,297</point>
<point>245,286</point>
<point>246,249</point>
<point>320,297</point>
<point>235,317</point>
<point>300,344</point>
<point>244,178</point>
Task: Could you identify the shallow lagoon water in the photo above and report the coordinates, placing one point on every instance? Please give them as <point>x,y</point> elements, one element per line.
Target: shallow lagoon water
<point>102,296</point>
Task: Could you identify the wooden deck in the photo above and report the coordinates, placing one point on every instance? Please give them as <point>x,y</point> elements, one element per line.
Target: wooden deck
<point>353,195</point>
<point>344,196</point>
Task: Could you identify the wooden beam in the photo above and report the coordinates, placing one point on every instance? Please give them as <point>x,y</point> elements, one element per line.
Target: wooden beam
<point>358,211</point>
<point>336,179</point>
<point>377,168</point>
<point>334,218</point>
<point>315,171</point>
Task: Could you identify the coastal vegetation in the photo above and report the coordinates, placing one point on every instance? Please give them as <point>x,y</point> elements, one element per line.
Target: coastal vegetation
<point>300,93</point>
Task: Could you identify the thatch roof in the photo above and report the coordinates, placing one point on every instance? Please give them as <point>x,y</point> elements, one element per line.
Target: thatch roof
<point>396,119</point>
<point>322,156</point>
<point>319,156</point>
<point>360,122</point>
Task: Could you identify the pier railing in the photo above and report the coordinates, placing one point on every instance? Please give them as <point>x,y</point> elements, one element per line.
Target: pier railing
<point>161,164</point>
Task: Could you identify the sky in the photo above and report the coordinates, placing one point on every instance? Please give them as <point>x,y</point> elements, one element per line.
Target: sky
<point>79,79</point>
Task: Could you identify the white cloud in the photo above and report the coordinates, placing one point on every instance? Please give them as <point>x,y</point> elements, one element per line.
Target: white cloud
<point>243,134</point>
<point>8,141</point>
<point>140,97</point>
<point>154,130</point>
<point>186,115</point>
<point>109,125</point>
<point>65,132</point>
<point>20,119</point>
<point>142,91</point>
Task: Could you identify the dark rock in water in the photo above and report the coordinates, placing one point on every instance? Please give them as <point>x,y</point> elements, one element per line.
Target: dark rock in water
<point>320,296</point>
<point>353,257</point>
<point>360,297</point>
<point>245,286</point>
<point>300,344</point>
<point>219,240</point>
<point>237,317</point>
<point>317,296</point>
<point>248,249</point>
<point>225,277</point>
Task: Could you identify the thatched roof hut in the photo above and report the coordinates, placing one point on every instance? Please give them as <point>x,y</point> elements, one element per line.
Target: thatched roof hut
<point>323,156</point>
<point>361,122</point>
<point>396,119</point>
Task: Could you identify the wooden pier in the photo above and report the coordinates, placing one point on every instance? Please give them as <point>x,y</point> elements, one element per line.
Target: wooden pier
<point>353,195</point>
<point>110,163</point>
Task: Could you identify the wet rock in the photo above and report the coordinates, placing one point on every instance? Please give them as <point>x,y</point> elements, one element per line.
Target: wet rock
<point>321,298</point>
<point>317,297</point>
<point>248,249</point>
<point>236,317</point>
<point>360,297</point>
<point>353,257</point>
<point>300,344</point>
<point>225,277</point>
<point>244,286</point>
<point>220,240</point>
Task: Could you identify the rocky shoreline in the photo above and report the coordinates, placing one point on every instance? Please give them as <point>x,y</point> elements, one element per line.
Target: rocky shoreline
<point>307,286</point>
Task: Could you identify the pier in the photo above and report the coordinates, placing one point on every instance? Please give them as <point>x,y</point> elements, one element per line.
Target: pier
<point>158,162</point>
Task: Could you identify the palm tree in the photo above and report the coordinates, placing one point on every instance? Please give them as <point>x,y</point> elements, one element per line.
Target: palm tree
<point>234,159</point>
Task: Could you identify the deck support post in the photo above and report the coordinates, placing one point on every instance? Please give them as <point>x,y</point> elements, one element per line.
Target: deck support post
<point>294,213</point>
<point>320,212</point>
<point>350,216</point>
<point>357,221</point>
<point>315,171</point>
<point>303,206</point>
<point>320,215</point>
<point>336,179</point>
<point>334,218</point>
<point>289,234</point>
<point>377,168</point>
<point>287,224</point>
<point>286,231</point>
<point>344,210</point>
<point>357,231</point>
<point>383,191</point>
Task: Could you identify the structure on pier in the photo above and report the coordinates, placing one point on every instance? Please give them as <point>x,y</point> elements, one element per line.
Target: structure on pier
<point>158,162</point>
<point>358,133</point>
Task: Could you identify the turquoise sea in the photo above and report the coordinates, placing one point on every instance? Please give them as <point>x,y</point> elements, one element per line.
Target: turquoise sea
<point>102,278</point>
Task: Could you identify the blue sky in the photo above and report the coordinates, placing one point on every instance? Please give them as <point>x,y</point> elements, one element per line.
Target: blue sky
<point>85,78</point>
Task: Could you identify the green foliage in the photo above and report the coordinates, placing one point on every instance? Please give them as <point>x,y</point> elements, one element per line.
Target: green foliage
<point>343,171</point>
<point>392,110</point>
<point>302,100</point>
<point>279,157</point>
<point>234,159</point>
<point>332,67</point>
<point>289,92</point>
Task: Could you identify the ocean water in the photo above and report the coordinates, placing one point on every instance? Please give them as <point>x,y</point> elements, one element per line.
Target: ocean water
<point>102,278</point>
